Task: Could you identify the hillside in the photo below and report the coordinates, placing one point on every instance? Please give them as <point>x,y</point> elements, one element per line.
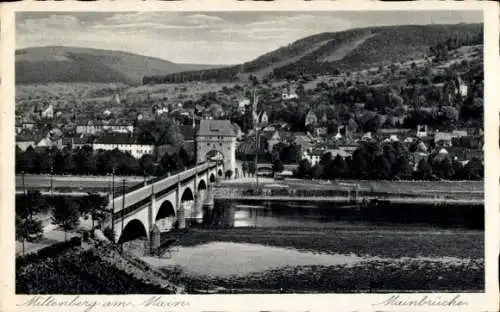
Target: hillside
<point>71,64</point>
<point>327,53</point>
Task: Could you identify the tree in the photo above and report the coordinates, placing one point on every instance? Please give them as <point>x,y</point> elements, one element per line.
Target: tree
<point>65,214</point>
<point>337,168</point>
<point>304,169</point>
<point>27,228</point>
<point>474,169</point>
<point>30,204</point>
<point>251,167</point>
<point>424,170</point>
<point>278,165</point>
<point>147,165</point>
<point>229,174</point>
<point>94,205</point>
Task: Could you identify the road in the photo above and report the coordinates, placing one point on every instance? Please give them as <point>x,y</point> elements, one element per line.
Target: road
<point>76,182</point>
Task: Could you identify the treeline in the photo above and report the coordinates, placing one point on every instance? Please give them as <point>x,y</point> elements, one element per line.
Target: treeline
<point>86,161</point>
<point>391,44</point>
<point>389,162</point>
<point>440,50</point>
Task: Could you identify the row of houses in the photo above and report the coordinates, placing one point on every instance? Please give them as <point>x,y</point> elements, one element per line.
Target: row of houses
<point>122,141</point>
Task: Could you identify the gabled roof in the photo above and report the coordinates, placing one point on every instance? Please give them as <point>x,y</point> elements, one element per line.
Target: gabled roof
<point>115,138</point>
<point>210,127</point>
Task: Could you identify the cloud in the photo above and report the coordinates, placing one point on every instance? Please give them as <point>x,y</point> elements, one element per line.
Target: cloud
<point>144,26</point>
<point>203,18</point>
<point>59,22</point>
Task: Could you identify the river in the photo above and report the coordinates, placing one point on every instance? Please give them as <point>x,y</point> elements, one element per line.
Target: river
<point>323,248</point>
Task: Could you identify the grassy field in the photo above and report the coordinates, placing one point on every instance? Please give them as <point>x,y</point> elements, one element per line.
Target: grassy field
<point>383,242</point>
<point>376,277</point>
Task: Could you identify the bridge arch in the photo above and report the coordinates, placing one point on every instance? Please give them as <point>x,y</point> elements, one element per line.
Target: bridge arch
<point>202,185</point>
<point>133,229</point>
<point>166,210</point>
<point>187,195</point>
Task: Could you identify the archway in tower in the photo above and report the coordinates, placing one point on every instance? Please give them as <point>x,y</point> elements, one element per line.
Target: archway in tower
<point>133,230</point>
<point>219,173</point>
<point>215,155</point>
<point>165,217</point>
<point>212,178</point>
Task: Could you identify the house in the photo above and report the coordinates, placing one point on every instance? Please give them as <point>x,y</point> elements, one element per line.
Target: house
<point>311,118</point>
<point>52,139</point>
<point>288,94</point>
<point>271,137</point>
<point>421,131</point>
<point>89,128</point>
<point>48,112</point>
<point>24,142</point>
<point>76,142</point>
<point>124,143</point>
<point>443,138</point>
<point>243,103</point>
<point>459,133</point>
<point>260,118</point>
<point>320,131</point>
<point>312,155</point>
<point>118,128</point>
<point>302,140</point>
<point>338,152</point>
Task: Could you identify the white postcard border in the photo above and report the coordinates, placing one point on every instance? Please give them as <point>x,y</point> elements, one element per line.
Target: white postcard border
<point>487,301</point>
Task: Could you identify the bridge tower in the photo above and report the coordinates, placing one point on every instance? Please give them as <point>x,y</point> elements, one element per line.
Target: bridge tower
<point>217,137</point>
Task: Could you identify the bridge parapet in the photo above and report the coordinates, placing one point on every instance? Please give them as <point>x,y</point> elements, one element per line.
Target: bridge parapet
<point>141,194</point>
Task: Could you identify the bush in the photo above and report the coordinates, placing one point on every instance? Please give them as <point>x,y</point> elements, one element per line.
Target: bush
<point>77,241</point>
<point>49,251</point>
<point>108,232</point>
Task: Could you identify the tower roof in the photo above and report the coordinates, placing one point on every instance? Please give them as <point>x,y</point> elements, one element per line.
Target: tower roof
<point>210,127</point>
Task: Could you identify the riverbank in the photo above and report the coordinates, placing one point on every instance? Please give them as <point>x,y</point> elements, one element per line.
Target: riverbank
<point>342,260</point>
<point>95,268</point>
<point>407,187</point>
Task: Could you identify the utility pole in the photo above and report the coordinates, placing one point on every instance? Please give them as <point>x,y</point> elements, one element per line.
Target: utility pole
<point>113,205</point>
<point>123,208</point>
<point>24,188</point>
<point>257,145</point>
<point>51,179</point>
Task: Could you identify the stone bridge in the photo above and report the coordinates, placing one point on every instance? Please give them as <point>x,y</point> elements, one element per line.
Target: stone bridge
<point>165,203</point>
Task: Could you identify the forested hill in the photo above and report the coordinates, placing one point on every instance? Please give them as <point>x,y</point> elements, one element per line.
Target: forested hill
<point>326,53</point>
<point>74,64</point>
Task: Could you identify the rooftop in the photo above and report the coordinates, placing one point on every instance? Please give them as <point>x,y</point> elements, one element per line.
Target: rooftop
<point>210,127</point>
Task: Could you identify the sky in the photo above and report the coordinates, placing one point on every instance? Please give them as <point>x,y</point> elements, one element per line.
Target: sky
<point>206,37</point>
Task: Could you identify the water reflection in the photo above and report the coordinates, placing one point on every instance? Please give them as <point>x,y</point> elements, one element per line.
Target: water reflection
<point>229,214</point>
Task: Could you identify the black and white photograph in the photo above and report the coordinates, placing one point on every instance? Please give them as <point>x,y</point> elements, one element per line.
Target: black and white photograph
<point>249,152</point>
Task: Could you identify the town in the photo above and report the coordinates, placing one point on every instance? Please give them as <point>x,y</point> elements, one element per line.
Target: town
<point>428,116</point>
